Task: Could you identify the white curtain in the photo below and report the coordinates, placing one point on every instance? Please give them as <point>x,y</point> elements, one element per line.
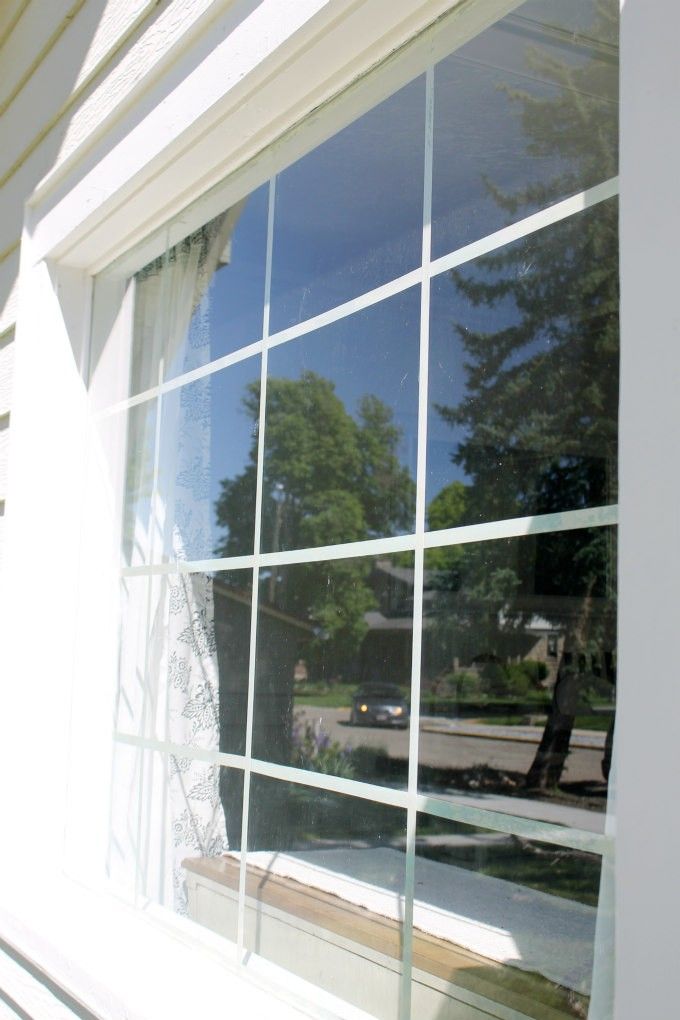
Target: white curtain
<point>182,638</point>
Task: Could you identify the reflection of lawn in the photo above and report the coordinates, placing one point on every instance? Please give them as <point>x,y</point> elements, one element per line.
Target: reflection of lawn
<point>338,696</point>
<point>599,723</point>
<point>558,871</point>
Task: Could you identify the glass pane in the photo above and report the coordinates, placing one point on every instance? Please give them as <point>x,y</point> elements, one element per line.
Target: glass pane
<point>185,837</point>
<point>333,667</point>
<point>208,461</point>
<point>149,324</point>
<point>524,351</point>
<point>124,858</point>
<point>525,114</point>
<point>199,650</point>
<point>325,890</point>
<point>341,430</point>
<point>519,673</point>
<point>507,918</point>
<point>216,286</point>
<point>124,446</point>
<point>132,699</point>
<point>349,214</point>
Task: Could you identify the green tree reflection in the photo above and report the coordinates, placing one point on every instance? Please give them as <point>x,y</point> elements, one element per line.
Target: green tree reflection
<point>329,477</point>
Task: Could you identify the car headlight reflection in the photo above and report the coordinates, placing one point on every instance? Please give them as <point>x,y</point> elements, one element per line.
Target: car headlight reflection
<point>363,708</point>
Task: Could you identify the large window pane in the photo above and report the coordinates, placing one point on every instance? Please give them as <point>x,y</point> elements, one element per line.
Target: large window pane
<point>217,275</point>
<point>524,376</point>
<point>199,645</point>
<point>334,667</point>
<point>325,894</point>
<point>349,215</point>
<point>341,430</point>
<point>208,459</point>
<point>525,114</point>
<point>507,918</point>
<point>518,675</point>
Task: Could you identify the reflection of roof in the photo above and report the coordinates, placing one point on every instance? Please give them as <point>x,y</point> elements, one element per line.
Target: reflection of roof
<point>244,597</point>
<point>403,574</point>
<point>376,621</point>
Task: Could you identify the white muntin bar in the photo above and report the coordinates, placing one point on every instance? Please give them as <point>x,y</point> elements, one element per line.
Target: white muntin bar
<point>357,304</point>
<point>529,225</point>
<point>516,527</point>
<point>191,566</point>
<point>213,366</point>
<point>512,527</point>
<point>456,810</point>
<point>234,761</point>
<point>418,563</point>
<point>484,246</point>
<point>240,939</point>
<point>126,404</point>
<point>453,808</point>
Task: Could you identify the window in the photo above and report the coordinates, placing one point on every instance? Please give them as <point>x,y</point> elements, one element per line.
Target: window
<point>363,425</point>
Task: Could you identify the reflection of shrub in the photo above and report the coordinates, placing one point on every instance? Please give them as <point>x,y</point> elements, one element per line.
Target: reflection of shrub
<point>464,685</point>
<point>513,678</point>
<point>313,749</point>
<point>494,679</point>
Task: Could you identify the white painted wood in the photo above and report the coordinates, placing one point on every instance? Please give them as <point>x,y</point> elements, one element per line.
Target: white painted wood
<point>9,288</point>
<point>28,993</point>
<point>6,371</point>
<point>4,455</point>
<point>648,698</point>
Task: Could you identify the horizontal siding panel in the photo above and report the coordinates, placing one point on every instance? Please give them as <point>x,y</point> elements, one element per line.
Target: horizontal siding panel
<point>6,372</point>
<point>37,26</point>
<point>87,40</point>
<point>96,109</point>
<point>10,12</point>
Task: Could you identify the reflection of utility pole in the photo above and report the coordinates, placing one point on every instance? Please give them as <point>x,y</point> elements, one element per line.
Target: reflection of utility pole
<point>278,496</point>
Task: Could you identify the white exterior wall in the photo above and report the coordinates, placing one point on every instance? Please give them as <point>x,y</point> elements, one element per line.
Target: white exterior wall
<point>113,115</point>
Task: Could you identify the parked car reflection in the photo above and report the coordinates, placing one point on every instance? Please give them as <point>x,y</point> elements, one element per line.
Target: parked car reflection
<point>379,705</point>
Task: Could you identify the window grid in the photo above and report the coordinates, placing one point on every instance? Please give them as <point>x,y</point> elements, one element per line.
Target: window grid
<point>453,808</point>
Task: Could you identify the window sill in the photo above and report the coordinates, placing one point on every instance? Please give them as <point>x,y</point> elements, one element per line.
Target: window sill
<point>349,926</point>
<point>89,944</point>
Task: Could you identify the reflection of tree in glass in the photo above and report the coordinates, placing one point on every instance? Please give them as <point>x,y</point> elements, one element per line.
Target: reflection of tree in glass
<point>328,478</point>
<point>539,416</point>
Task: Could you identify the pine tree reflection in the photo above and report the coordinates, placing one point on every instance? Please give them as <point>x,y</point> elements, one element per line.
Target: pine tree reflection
<point>535,326</point>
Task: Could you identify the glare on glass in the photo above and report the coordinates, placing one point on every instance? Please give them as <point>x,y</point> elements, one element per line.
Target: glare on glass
<point>208,462</point>
<point>216,287</point>
<point>524,115</point>
<point>349,214</point>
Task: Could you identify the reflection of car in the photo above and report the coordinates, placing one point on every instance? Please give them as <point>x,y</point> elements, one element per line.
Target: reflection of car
<point>379,705</point>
